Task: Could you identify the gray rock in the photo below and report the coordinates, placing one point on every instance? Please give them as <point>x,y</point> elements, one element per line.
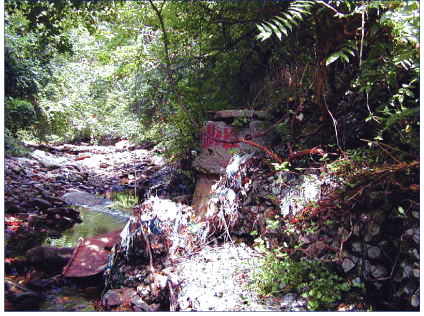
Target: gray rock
<point>161,281</point>
<point>287,300</point>
<point>416,273</point>
<point>137,301</point>
<point>378,216</point>
<point>349,263</point>
<point>409,288</point>
<point>12,208</point>
<point>407,271</point>
<point>20,297</point>
<point>373,252</point>
<point>48,258</point>
<point>49,161</point>
<point>54,200</point>
<point>275,190</point>
<point>41,204</point>
<point>357,247</point>
<point>415,299</point>
<point>414,254</point>
<point>414,233</point>
<point>143,289</point>
<point>378,271</point>
<point>290,302</point>
<point>373,229</point>
<point>111,298</point>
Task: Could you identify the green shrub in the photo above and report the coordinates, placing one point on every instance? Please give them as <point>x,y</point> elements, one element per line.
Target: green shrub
<point>315,280</point>
<point>18,114</point>
<point>13,146</point>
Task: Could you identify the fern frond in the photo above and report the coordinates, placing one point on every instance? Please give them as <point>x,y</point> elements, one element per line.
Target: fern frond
<point>284,130</point>
<point>286,22</point>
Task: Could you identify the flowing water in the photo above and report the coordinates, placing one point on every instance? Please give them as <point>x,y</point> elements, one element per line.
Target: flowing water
<point>82,296</point>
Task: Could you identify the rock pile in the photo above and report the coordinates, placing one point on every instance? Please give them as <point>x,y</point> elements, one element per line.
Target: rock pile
<point>34,185</point>
<point>251,193</point>
<point>375,242</point>
<point>36,204</point>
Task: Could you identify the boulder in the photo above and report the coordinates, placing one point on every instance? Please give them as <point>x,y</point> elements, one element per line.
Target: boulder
<point>49,258</point>
<point>11,207</point>
<point>116,297</point>
<point>41,204</point>
<point>48,160</point>
<point>139,304</point>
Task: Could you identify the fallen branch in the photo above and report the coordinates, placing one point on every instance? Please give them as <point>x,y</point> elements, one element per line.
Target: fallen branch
<point>295,155</point>
<point>152,269</point>
<point>173,303</point>
<point>262,148</point>
<point>76,250</point>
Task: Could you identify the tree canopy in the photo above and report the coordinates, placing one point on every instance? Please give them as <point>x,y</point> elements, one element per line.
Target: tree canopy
<point>338,81</point>
<point>152,69</point>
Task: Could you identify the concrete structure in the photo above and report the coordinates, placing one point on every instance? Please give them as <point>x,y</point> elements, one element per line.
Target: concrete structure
<point>219,143</point>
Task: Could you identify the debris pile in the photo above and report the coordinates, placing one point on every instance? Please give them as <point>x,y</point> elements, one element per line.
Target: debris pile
<point>159,233</point>
<point>168,260</point>
<point>251,193</point>
<point>374,240</point>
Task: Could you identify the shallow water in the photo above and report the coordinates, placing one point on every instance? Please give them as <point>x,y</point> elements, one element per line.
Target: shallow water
<point>71,298</point>
<point>93,224</point>
<point>77,297</point>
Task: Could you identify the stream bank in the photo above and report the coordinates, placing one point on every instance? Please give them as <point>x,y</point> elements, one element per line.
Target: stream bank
<point>167,253</point>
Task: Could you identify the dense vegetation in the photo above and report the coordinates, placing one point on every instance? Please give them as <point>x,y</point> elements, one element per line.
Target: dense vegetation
<point>340,76</point>
<point>140,69</point>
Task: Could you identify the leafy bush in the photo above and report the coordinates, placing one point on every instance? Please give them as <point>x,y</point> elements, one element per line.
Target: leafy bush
<point>314,280</point>
<point>18,114</point>
<point>12,145</point>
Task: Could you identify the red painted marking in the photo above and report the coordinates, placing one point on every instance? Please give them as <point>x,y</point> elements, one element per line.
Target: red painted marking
<point>213,136</point>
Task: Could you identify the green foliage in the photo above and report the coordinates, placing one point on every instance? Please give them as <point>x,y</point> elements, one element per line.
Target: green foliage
<point>283,166</point>
<point>395,113</point>
<point>88,98</point>
<point>289,19</point>
<point>18,114</point>
<point>24,74</point>
<point>315,280</point>
<point>284,130</point>
<point>342,52</point>
<point>13,146</point>
<point>123,200</point>
<point>101,71</point>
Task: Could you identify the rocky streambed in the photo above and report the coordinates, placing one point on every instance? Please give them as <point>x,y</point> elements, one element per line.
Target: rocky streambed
<point>60,193</point>
<point>169,258</point>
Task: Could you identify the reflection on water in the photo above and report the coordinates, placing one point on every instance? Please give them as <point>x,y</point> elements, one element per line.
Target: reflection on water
<point>93,224</point>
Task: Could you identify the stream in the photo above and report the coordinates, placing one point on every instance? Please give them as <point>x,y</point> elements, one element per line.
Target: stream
<point>97,182</point>
<point>83,296</point>
<point>61,194</point>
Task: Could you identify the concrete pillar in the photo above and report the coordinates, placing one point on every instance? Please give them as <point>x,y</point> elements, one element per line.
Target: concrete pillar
<point>218,148</point>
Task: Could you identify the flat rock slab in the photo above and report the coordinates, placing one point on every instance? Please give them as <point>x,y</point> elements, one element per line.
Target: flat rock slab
<point>91,255</point>
<point>85,199</point>
<point>93,203</point>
